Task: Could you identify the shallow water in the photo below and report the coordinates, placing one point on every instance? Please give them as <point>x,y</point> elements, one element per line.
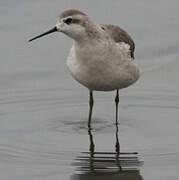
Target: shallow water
<point>43,111</point>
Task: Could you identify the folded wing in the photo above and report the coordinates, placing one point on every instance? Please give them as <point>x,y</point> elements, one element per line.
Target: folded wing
<point>119,36</point>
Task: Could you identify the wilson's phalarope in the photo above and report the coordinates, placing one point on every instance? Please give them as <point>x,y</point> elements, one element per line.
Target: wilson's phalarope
<point>102,57</point>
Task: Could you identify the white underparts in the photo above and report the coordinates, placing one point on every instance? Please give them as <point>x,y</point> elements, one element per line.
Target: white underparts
<point>104,69</point>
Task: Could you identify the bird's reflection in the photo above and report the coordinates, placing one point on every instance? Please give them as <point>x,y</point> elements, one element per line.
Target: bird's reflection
<point>107,165</point>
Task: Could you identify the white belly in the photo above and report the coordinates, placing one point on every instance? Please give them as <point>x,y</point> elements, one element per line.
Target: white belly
<point>101,73</point>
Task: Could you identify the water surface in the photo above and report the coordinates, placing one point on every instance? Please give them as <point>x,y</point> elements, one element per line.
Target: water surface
<point>43,111</point>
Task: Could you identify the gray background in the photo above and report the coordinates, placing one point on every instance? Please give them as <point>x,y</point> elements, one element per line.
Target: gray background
<point>43,111</point>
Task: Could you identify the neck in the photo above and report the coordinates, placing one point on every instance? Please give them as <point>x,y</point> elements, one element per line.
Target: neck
<point>93,33</point>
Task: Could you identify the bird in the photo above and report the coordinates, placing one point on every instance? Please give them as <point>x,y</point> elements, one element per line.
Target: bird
<point>101,57</point>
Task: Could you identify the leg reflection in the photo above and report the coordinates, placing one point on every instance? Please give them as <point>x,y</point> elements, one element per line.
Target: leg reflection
<point>117,146</point>
<point>91,150</point>
<point>102,165</point>
<point>92,146</point>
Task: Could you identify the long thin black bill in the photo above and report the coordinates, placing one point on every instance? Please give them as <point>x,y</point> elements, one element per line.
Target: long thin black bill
<point>48,32</point>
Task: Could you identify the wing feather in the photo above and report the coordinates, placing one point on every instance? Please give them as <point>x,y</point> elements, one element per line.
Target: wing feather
<point>119,36</point>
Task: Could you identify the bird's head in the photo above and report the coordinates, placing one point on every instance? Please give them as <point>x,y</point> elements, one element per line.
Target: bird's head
<point>73,23</point>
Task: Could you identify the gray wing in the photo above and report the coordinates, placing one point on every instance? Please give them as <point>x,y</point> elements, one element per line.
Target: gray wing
<point>119,35</point>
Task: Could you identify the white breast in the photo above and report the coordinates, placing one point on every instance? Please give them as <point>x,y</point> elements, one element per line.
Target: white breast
<point>103,69</point>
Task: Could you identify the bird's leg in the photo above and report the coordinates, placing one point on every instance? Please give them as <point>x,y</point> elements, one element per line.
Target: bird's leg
<point>117,102</point>
<point>91,102</point>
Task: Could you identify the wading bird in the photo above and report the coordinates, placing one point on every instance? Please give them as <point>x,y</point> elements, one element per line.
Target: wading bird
<point>102,57</point>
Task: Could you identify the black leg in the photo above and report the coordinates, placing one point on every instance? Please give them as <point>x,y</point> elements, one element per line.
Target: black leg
<point>92,146</point>
<point>117,102</point>
<point>91,102</point>
<point>91,149</point>
<point>117,146</point>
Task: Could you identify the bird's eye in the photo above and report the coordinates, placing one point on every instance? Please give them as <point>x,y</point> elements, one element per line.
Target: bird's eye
<point>68,21</point>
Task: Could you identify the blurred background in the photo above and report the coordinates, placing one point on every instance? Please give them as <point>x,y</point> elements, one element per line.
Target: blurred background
<point>43,110</point>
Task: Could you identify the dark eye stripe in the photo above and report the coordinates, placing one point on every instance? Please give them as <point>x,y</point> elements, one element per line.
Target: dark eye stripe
<point>68,20</point>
